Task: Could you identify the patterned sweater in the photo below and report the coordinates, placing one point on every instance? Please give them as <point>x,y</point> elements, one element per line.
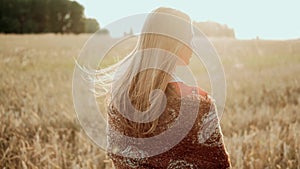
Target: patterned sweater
<point>201,148</point>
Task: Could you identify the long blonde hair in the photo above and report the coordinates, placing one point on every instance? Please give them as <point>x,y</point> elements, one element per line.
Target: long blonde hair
<point>151,65</point>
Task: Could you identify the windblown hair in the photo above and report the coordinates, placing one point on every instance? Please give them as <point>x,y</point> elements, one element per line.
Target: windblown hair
<point>149,68</point>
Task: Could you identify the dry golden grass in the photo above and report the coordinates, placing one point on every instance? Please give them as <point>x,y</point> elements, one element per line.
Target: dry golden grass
<point>38,126</point>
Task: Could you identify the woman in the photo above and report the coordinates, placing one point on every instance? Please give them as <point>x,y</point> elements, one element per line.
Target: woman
<point>146,98</point>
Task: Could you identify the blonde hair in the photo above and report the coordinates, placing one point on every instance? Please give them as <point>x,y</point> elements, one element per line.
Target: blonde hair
<point>145,81</point>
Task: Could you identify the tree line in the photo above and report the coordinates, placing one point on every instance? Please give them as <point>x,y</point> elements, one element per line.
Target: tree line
<point>214,29</point>
<point>66,16</point>
<point>44,16</point>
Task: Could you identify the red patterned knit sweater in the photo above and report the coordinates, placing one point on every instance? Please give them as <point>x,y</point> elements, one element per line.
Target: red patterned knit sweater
<point>201,148</point>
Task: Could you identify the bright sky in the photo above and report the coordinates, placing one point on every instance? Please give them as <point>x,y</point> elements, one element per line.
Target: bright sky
<point>268,19</point>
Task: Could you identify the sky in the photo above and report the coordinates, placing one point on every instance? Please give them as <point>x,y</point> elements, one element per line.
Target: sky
<point>266,19</point>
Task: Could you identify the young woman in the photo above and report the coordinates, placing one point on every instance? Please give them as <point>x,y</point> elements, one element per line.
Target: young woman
<point>146,99</point>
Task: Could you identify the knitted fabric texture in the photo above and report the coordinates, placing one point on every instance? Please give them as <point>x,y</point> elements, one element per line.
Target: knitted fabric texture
<point>201,148</point>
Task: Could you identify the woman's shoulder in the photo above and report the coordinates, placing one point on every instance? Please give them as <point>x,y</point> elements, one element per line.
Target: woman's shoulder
<point>184,89</point>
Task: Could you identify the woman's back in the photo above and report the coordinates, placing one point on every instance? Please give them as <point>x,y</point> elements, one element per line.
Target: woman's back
<point>202,147</point>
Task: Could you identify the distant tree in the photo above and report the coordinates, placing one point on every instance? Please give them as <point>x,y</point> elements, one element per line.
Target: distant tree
<point>103,32</point>
<point>213,29</point>
<point>40,16</point>
<point>91,25</point>
<point>59,16</point>
<point>76,18</point>
<point>9,18</point>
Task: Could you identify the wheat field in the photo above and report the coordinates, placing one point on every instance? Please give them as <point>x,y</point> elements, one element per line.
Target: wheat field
<point>39,129</point>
